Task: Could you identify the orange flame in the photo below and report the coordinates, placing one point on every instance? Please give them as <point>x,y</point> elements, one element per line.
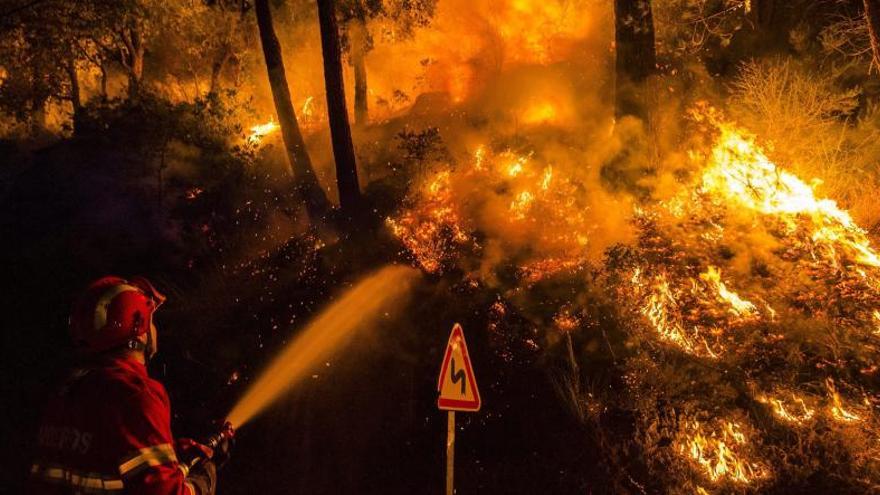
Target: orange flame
<point>720,455</point>
<point>259,131</point>
<point>837,410</point>
<point>742,174</point>
<point>795,411</point>
<point>738,305</point>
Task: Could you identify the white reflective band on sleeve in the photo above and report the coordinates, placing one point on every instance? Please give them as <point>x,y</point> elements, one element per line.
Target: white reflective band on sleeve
<point>147,457</point>
<point>88,482</point>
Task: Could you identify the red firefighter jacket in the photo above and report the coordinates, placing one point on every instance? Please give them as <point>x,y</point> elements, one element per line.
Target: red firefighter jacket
<point>108,430</point>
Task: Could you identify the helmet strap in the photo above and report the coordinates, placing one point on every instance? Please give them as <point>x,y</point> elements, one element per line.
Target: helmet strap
<point>148,346</point>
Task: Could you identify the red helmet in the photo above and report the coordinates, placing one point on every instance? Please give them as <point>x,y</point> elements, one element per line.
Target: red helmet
<point>113,311</point>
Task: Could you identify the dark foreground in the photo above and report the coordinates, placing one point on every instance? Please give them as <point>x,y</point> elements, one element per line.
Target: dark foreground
<point>367,421</point>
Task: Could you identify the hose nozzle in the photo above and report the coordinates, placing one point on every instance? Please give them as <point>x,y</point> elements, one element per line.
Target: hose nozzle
<point>226,433</point>
<point>216,443</point>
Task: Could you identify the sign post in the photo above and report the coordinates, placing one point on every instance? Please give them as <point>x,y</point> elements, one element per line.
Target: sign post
<point>458,392</point>
<point>450,452</point>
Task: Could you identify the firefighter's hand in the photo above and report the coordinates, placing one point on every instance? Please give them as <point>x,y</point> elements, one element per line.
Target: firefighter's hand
<point>203,477</point>
<point>224,450</point>
<point>188,450</point>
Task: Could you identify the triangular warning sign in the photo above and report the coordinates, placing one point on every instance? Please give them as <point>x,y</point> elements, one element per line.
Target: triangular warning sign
<point>457,384</point>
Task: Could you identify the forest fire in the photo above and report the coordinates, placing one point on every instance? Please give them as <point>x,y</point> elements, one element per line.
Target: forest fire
<point>433,240</point>
<point>688,299</point>
<point>656,220</point>
<point>740,188</point>
<point>739,175</point>
<point>738,305</point>
<point>438,223</point>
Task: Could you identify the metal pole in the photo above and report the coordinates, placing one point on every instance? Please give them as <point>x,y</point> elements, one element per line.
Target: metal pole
<point>450,452</point>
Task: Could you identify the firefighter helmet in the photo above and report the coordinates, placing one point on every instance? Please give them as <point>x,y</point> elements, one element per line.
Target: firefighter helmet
<point>112,311</point>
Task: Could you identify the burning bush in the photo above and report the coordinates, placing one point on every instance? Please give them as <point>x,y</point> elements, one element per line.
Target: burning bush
<point>746,307</point>
<point>794,315</point>
<point>813,124</point>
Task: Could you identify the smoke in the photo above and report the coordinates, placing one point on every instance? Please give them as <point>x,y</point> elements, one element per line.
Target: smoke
<point>535,176</point>
<point>520,169</point>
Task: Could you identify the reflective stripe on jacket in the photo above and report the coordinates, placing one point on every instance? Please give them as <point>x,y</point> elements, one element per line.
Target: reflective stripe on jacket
<point>108,430</point>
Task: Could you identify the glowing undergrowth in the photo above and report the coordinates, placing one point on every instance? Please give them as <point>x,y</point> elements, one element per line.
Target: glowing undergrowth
<point>747,303</point>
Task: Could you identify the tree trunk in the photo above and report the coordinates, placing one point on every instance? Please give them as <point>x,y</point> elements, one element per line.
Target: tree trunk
<point>137,71</point>
<point>358,54</point>
<point>103,68</point>
<point>769,28</point>
<point>38,99</point>
<point>340,131</point>
<point>872,14</point>
<point>132,57</point>
<point>217,69</point>
<point>305,181</point>
<point>636,55</point>
<point>75,95</point>
<point>38,115</point>
<point>762,13</point>
<point>361,112</point>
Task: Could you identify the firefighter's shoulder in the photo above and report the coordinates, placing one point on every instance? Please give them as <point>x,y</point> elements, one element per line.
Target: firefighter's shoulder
<point>135,390</point>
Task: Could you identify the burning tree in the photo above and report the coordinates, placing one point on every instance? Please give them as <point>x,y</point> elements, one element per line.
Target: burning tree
<point>297,154</point>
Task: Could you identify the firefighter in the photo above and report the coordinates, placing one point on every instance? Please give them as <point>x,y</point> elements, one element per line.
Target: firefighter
<point>107,430</point>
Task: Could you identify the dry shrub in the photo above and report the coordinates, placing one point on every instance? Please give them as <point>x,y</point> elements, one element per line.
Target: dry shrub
<point>847,36</point>
<point>815,128</point>
<point>686,27</point>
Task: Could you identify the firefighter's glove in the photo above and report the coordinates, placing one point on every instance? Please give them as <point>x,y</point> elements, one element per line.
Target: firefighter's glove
<point>224,451</point>
<point>188,450</point>
<point>203,476</point>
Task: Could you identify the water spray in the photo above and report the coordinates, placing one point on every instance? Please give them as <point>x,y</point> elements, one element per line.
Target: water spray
<point>355,310</point>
